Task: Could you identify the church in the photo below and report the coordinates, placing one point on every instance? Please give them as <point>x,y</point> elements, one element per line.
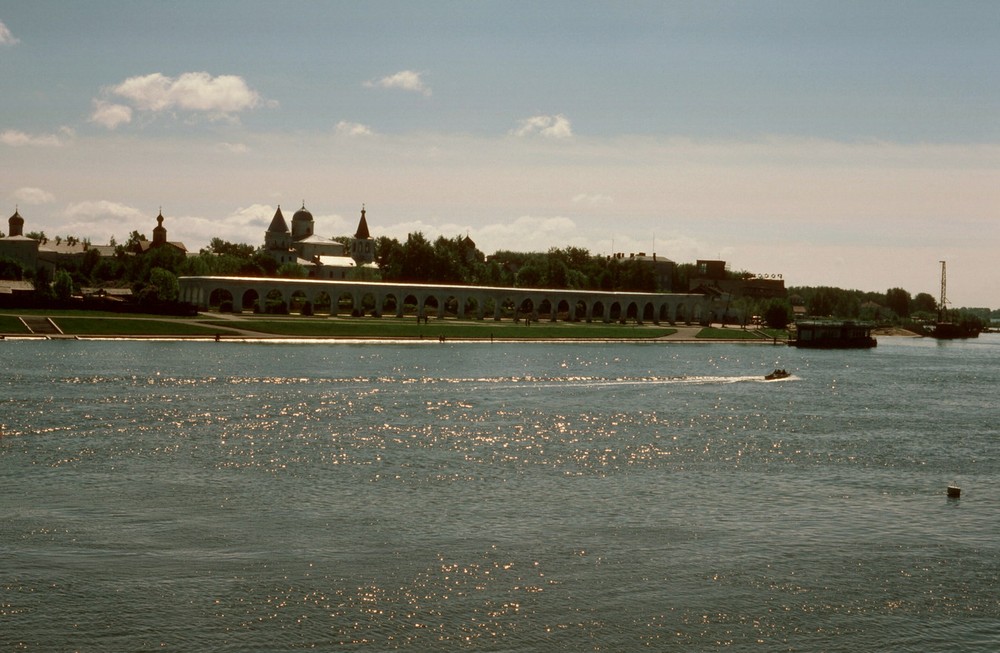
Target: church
<point>323,258</point>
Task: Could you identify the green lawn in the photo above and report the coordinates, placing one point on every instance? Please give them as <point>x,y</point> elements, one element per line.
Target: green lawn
<point>92,323</point>
<point>715,333</point>
<point>111,326</point>
<point>12,324</point>
<point>408,328</point>
<point>48,312</point>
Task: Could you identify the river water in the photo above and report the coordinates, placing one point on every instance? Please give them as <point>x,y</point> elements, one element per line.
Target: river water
<point>235,496</point>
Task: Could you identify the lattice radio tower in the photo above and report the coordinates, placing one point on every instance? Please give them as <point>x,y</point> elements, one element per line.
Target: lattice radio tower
<point>943,305</point>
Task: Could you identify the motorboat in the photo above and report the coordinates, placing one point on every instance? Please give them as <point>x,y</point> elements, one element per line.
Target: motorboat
<point>777,374</point>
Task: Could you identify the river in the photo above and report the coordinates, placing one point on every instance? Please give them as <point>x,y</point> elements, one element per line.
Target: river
<point>194,496</point>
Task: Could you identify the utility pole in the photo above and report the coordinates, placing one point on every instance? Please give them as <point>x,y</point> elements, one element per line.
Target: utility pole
<point>942,306</point>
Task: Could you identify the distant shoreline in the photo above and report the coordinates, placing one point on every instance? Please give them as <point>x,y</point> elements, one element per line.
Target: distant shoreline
<point>81,325</point>
<point>221,327</point>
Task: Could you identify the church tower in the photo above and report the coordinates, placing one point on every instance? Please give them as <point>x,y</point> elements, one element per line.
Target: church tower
<point>362,245</point>
<point>15,225</point>
<point>17,246</point>
<point>159,231</point>
<point>302,223</point>
<point>278,240</point>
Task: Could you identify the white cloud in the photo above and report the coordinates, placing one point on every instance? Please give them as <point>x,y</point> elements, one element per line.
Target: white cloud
<point>595,199</point>
<point>345,128</point>
<point>255,215</point>
<point>110,115</point>
<point>220,96</point>
<point>99,220</point>
<point>526,234</point>
<point>101,209</point>
<point>406,80</point>
<point>6,38</point>
<point>243,225</point>
<point>15,138</point>
<point>235,148</point>
<point>557,126</point>
<point>30,195</point>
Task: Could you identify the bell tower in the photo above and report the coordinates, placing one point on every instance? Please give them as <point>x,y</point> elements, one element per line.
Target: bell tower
<point>362,245</point>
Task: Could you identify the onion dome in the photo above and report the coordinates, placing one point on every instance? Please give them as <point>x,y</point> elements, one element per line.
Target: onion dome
<point>16,224</point>
<point>302,214</point>
<point>159,231</point>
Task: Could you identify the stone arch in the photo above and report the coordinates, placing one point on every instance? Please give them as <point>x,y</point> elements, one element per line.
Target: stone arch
<point>489,306</point>
<point>505,307</point>
<point>344,304</point>
<point>545,310</point>
<point>631,311</point>
<point>274,302</point>
<point>597,311</point>
<point>564,310</point>
<point>648,313</point>
<point>367,304</point>
<point>429,305</point>
<point>664,313</point>
<point>322,303</point>
<point>472,307</point>
<point>450,306</point>
<point>615,312</point>
<point>408,306</point>
<point>299,303</point>
<point>388,304</point>
<point>220,300</point>
<point>250,301</point>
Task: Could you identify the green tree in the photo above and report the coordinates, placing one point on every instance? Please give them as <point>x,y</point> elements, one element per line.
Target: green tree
<point>62,285</point>
<point>237,250</point>
<point>167,287</point>
<point>133,241</point>
<point>91,259</point>
<point>531,275</point>
<point>389,257</point>
<point>11,269</point>
<point>292,271</point>
<point>898,300</point>
<point>42,282</point>
<point>923,303</point>
<point>417,263</point>
<point>777,314</point>
<point>261,264</point>
<point>637,277</point>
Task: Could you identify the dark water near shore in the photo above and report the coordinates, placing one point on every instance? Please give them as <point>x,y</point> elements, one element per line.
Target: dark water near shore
<point>529,497</point>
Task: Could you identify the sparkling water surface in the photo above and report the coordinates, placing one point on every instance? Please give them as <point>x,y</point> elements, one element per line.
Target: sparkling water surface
<point>498,497</point>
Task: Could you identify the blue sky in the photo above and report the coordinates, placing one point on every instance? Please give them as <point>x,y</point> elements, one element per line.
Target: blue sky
<point>853,144</point>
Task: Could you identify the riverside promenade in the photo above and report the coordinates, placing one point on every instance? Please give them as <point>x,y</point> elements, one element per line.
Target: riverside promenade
<point>245,327</point>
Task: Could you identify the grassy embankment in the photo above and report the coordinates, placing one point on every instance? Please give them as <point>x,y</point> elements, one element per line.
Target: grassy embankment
<point>81,323</point>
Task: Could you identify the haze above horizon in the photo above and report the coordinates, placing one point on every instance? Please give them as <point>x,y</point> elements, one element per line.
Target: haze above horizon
<point>849,144</point>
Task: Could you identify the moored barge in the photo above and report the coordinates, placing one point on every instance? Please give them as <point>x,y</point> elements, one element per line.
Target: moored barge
<point>828,334</point>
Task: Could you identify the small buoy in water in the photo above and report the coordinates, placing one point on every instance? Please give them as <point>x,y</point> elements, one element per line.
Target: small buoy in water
<point>954,492</point>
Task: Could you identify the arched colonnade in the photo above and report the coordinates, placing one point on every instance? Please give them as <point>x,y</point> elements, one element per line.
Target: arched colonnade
<point>239,294</point>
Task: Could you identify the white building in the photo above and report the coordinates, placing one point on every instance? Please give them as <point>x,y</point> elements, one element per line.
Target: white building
<point>323,258</point>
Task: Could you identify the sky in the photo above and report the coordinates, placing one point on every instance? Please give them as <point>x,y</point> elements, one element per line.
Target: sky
<point>853,144</point>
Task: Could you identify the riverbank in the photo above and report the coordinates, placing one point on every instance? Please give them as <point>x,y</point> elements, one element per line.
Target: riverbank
<point>216,326</point>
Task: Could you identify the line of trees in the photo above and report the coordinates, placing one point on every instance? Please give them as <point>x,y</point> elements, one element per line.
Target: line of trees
<point>894,306</point>
<point>458,261</point>
<point>153,275</point>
